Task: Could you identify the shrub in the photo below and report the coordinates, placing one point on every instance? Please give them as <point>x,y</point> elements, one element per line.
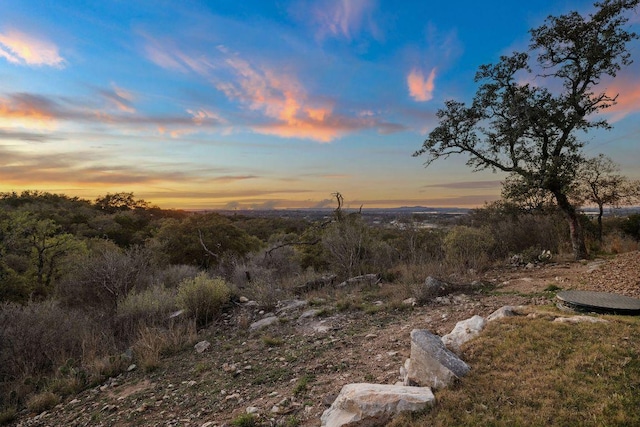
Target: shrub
<point>467,247</point>
<point>42,401</point>
<point>7,416</point>
<point>245,420</point>
<point>171,276</point>
<point>106,277</point>
<point>152,343</point>
<point>149,307</point>
<point>203,297</point>
<point>31,346</point>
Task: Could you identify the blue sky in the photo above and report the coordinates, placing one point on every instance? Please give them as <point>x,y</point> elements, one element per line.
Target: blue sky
<point>253,104</point>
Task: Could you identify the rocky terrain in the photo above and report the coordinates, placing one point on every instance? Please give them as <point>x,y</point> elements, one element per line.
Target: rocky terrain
<point>289,370</point>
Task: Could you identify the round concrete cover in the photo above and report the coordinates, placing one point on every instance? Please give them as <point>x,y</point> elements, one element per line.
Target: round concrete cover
<point>603,302</point>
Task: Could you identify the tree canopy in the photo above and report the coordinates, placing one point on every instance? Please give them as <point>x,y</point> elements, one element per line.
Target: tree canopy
<point>530,106</point>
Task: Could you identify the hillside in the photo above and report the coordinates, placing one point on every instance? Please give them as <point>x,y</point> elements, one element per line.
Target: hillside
<point>291,370</point>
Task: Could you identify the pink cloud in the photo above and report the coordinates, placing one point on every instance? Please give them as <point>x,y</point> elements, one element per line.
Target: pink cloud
<point>24,49</point>
<point>628,101</point>
<point>282,98</point>
<point>421,89</point>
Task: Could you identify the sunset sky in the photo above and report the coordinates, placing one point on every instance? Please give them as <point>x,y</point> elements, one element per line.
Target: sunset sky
<point>260,104</point>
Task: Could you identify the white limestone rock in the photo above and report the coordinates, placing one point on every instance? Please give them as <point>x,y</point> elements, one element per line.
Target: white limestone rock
<point>374,404</point>
<point>431,363</point>
<point>463,332</point>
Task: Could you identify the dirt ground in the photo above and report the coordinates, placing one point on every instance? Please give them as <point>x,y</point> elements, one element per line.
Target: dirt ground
<point>288,373</point>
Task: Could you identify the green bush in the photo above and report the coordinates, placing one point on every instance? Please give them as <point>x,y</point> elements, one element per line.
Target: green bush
<point>203,297</point>
<point>468,247</point>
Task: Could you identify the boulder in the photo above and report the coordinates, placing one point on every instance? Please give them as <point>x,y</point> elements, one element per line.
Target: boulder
<point>374,404</point>
<point>506,311</point>
<point>263,323</point>
<point>202,346</point>
<point>291,305</point>
<point>463,332</point>
<point>431,364</point>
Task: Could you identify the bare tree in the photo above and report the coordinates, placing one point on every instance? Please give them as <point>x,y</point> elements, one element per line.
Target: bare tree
<point>599,182</point>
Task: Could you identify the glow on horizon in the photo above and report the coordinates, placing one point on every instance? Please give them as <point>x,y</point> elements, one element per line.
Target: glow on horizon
<point>259,104</point>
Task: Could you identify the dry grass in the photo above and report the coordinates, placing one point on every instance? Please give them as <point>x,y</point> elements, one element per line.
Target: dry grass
<point>534,372</point>
<point>153,343</point>
<point>40,402</point>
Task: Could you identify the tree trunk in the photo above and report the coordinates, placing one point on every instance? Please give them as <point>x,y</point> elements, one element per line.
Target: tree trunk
<point>600,213</point>
<point>575,228</point>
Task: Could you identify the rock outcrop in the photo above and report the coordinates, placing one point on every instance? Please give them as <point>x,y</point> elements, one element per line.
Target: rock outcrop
<point>431,363</point>
<point>364,404</point>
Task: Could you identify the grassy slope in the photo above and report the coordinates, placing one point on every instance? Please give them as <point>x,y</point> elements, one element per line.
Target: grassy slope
<point>535,372</point>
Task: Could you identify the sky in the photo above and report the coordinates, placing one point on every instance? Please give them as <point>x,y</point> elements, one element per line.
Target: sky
<point>227,104</point>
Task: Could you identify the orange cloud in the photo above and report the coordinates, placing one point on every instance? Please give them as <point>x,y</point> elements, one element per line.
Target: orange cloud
<point>24,49</point>
<point>282,98</point>
<point>26,111</point>
<point>421,89</point>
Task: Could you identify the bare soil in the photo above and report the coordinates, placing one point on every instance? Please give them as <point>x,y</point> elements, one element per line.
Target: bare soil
<point>291,371</point>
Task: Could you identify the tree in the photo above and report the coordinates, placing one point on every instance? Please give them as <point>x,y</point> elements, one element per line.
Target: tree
<point>204,240</point>
<point>116,202</point>
<point>517,127</point>
<point>599,182</point>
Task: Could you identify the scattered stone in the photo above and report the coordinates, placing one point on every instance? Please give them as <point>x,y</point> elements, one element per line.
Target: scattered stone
<point>252,410</point>
<point>431,364</point>
<point>229,367</point>
<point>202,346</point>
<point>463,332</point>
<point>369,279</point>
<point>529,266</point>
<point>370,336</point>
<point>316,284</point>
<point>208,424</point>
<point>263,323</point>
<point>74,402</point>
<point>435,286</point>
<point>314,312</point>
<point>410,301</point>
<point>374,404</point>
<point>131,367</point>
<point>176,314</point>
<point>243,300</point>
<point>506,311</point>
<point>291,305</point>
<point>579,319</point>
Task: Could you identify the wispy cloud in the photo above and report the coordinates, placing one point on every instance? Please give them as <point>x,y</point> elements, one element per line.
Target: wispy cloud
<point>40,112</point>
<point>120,98</point>
<point>294,114</point>
<point>344,18</point>
<point>464,185</point>
<point>25,49</point>
<point>166,54</point>
<point>421,88</point>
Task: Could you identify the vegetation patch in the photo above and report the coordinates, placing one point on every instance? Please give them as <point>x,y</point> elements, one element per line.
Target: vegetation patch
<point>536,372</point>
